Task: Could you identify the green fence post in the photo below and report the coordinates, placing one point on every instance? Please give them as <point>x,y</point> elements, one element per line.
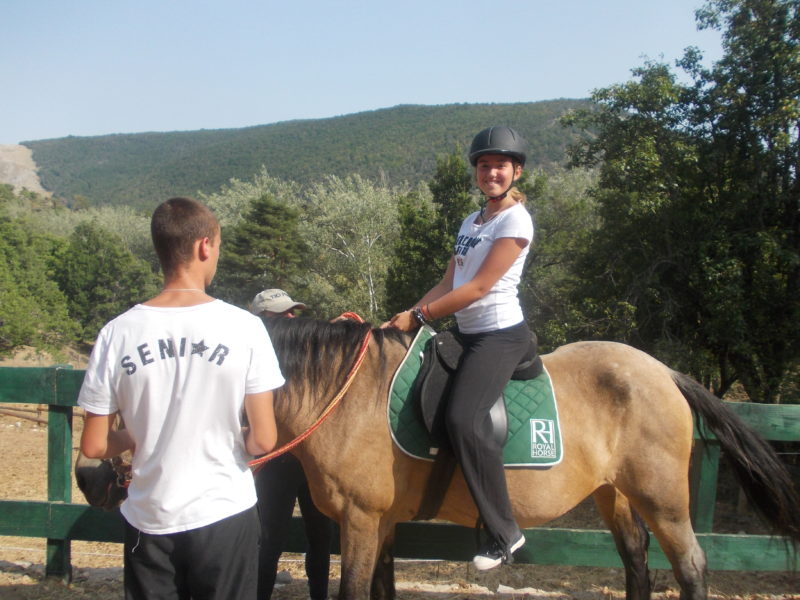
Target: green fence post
<point>703,475</point>
<point>59,482</point>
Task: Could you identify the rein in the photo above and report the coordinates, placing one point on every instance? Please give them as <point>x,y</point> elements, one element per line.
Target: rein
<point>257,463</point>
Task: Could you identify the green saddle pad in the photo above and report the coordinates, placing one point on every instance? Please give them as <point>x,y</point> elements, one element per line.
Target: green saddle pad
<point>534,433</point>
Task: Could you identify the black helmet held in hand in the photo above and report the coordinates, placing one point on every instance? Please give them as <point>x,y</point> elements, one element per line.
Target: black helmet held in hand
<point>498,140</point>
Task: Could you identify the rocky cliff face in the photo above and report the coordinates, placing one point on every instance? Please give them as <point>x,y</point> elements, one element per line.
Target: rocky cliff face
<point>18,169</point>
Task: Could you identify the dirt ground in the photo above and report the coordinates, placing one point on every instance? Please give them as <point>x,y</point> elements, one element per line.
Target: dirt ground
<point>97,567</point>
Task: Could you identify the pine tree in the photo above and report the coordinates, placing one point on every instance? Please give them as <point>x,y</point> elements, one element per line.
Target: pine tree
<point>263,250</point>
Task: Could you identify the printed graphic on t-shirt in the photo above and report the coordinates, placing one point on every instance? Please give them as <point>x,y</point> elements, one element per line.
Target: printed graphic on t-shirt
<point>166,349</point>
<point>464,243</point>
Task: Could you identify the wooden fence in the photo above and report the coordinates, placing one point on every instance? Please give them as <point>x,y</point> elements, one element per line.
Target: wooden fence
<point>60,521</point>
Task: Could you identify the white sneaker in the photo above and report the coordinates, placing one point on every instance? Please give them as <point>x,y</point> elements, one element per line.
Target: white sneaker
<point>492,554</point>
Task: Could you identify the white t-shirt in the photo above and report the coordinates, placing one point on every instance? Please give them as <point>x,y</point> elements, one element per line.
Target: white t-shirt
<point>500,307</point>
<point>178,377</point>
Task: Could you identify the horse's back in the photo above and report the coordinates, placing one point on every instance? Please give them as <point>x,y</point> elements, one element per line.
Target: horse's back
<point>616,371</point>
<point>622,407</point>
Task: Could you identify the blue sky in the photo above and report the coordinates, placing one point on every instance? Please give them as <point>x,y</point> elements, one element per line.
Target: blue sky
<point>109,66</point>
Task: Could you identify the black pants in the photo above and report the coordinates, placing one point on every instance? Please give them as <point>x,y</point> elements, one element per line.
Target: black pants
<point>215,562</point>
<point>488,362</point>
<point>279,483</point>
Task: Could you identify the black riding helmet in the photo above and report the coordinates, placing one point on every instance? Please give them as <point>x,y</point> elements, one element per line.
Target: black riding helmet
<point>498,140</point>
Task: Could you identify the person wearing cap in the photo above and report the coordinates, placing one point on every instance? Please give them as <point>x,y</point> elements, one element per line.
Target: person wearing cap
<point>275,303</point>
<point>480,288</point>
<point>279,484</point>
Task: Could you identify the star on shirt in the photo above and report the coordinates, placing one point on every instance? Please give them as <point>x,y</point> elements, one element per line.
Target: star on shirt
<point>199,348</point>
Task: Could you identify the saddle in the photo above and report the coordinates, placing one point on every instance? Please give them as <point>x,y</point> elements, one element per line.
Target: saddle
<point>440,360</point>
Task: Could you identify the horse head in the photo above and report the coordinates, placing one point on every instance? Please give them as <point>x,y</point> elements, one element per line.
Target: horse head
<point>102,481</point>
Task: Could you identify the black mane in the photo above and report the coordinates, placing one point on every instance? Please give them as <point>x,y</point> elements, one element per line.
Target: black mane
<point>317,355</point>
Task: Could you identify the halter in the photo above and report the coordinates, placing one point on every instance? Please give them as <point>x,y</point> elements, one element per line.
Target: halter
<point>257,463</point>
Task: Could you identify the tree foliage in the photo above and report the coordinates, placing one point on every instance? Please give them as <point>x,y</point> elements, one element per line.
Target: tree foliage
<point>100,277</point>
<point>33,311</point>
<point>263,250</point>
<point>699,196</point>
<point>429,224</point>
<point>451,188</point>
<point>418,256</point>
<point>565,220</point>
<point>130,225</point>
<point>350,225</point>
<point>329,242</point>
<point>236,197</point>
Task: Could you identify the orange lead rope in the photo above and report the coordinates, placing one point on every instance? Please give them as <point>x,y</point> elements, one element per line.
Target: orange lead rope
<point>350,315</point>
<point>257,463</point>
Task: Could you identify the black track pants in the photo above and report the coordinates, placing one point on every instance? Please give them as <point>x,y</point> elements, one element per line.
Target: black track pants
<point>488,362</point>
<point>279,482</point>
<point>215,562</point>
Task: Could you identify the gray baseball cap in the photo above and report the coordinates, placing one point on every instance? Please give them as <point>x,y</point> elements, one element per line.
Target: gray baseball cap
<point>273,300</point>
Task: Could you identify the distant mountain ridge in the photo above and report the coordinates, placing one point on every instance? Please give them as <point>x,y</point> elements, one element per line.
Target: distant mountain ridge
<point>399,144</point>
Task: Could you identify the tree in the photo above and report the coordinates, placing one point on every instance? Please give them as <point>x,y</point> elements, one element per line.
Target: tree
<point>350,226</point>
<point>130,225</point>
<point>699,197</point>
<point>565,219</point>
<point>235,199</point>
<point>428,228</point>
<point>33,311</point>
<point>100,277</point>
<point>646,174</point>
<point>747,114</point>
<point>263,250</point>
<point>451,187</point>
<point>416,264</point>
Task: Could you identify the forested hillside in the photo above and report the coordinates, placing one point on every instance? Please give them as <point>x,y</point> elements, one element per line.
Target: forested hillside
<point>396,145</point>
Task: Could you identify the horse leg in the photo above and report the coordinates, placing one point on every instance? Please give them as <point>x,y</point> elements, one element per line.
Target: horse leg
<point>665,508</point>
<point>630,537</point>
<point>383,578</point>
<point>688,560</point>
<point>361,537</point>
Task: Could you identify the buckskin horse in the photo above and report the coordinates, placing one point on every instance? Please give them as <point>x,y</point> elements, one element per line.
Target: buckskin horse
<point>627,427</point>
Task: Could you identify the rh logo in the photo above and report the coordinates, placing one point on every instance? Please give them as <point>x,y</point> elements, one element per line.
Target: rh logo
<point>543,442</point>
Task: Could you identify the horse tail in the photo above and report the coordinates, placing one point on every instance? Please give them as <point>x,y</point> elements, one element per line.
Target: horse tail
<point>764,478</point>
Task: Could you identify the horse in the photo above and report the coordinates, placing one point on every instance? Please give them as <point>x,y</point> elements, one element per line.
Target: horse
<point>626,424</point>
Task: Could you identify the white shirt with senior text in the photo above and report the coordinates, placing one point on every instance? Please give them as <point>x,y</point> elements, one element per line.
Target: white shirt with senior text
<point>179,376</point>
<point>500,307</point>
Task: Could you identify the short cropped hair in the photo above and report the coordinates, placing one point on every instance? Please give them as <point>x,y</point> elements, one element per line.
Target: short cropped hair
<point>176,225</point>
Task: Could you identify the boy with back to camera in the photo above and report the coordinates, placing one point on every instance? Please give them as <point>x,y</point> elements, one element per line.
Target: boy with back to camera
<point>180,368</point>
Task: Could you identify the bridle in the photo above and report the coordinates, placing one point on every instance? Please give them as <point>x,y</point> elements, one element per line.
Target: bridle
<point>122,470</point>
<point>257,463</point>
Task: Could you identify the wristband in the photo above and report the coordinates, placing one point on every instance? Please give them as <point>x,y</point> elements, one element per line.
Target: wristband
<point>426,312</point>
